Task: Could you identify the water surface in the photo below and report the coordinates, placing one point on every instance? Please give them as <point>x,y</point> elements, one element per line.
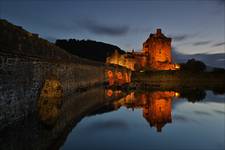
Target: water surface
<point>154,120</point>
<point>105,119</point>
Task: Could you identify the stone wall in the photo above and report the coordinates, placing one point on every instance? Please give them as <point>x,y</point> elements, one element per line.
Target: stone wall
<point>22,78</point>
<point>31,68</point>
<point>29,134</point>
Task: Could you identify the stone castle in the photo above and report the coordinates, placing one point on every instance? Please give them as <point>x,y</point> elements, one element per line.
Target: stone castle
<point>155,55</point>
<point>156,106</point>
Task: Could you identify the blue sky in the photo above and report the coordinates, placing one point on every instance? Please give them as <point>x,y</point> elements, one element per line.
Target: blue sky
<point>196,26</point>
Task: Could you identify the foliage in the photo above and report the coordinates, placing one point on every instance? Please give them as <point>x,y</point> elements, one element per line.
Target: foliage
<point>89,49</point>
<point>218,70</point>
<point>193,95</point>
<point>193,65</point>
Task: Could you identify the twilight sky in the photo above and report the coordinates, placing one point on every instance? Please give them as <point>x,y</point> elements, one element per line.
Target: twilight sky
<point>196,26</point>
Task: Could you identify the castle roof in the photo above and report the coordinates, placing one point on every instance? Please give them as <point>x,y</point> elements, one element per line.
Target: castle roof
<point>157,35</point>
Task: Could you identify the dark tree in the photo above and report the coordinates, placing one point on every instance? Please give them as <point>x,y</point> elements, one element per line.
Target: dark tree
<point>193,95</point>
<point>218,90</point>
<point>218,70</point>
<point>89,49</point>
<point>193,65</point>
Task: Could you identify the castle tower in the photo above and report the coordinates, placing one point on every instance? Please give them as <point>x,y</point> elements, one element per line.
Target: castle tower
<point>155,55</point>
<point>158,49</point>
<point>159,109</point>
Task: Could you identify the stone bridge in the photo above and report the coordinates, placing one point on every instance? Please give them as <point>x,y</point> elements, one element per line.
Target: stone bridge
<point>117,75</point>
<point>26,81</point>
<point>30,135</point>
<point>33,70</point>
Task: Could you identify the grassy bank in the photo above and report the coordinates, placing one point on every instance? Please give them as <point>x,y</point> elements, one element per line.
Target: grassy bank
<point>182,79</point>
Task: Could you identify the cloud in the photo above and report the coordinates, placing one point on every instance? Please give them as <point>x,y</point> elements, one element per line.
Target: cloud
<point>182,118</point>
<point>109,124</point>
<point>219,112</point>
<point>98,28</point>
<point>202,113</point>
<point>221,1</point>
<point>214,60</point>
<point>218,44</point>
<point>201,43</point>
<point>180,37</point>
<point>183,37</point>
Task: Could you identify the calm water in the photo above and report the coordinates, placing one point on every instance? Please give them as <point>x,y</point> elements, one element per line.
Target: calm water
<point>105,119</point>
<point>154,120</point>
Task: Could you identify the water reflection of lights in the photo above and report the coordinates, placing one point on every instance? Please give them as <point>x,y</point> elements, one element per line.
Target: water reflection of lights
<point>177,94</point>
<point>109,93</point>
<point>156,106</point>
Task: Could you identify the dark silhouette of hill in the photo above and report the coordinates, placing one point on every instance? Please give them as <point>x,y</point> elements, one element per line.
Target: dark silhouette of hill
<point>89,49</point>
<point>16,40</point>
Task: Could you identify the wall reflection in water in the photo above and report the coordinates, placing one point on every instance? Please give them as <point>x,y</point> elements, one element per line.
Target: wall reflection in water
<point>50,102</point>
<point>118,77</point>
<point>64,114</point>
<point>156,105</point>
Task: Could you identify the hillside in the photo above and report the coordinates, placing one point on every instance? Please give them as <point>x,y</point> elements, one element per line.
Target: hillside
<point>89,49</point>
<point>15,40</point>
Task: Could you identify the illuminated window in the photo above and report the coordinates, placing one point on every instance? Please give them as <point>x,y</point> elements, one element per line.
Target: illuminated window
<point>119,75</point>
<point>109,93</point>
<point>110,74</point>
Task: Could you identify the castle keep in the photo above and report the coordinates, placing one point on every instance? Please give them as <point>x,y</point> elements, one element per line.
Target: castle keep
<point>155,55</point>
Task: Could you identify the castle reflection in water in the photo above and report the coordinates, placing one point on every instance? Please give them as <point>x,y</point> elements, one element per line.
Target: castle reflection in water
<point>156,105</point>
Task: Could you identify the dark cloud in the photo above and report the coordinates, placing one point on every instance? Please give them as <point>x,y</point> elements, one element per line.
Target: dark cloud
<point>201,43</point>
<point>109,124</point>
<point>98,28</point>
<point>182,118</point>
<point>218,44</point>
<point>180,37</point>
<point>183,37</point>
<point>202,113</point>
<point>219,112</point>
<point>220,1</point>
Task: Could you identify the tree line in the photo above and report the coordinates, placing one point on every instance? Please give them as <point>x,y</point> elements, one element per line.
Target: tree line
<point>89,49</point>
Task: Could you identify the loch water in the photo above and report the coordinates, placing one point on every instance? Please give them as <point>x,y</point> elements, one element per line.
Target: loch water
<point>106,119</point>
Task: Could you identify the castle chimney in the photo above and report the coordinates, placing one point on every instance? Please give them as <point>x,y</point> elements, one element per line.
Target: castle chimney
<point>158,31</point>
